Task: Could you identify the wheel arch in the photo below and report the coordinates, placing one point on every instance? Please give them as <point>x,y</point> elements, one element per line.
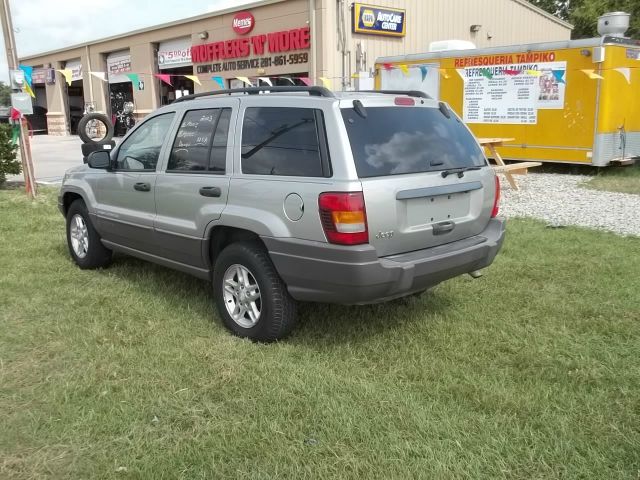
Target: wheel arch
<point>221,236</point>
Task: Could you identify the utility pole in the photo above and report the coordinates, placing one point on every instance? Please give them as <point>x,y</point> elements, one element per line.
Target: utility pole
<point>12,60</point>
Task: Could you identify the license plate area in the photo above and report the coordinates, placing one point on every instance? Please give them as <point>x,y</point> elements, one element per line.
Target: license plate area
<point>425,211</point>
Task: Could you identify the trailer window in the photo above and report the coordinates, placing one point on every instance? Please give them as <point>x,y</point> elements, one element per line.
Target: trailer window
<point>397,140</point>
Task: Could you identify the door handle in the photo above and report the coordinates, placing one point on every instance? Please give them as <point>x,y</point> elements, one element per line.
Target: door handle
<point>443,227</point>
<point>210,192</point>
<point>142,186</point>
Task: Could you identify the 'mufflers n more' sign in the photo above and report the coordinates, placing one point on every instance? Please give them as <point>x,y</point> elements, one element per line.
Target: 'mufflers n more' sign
<point>256,45</point>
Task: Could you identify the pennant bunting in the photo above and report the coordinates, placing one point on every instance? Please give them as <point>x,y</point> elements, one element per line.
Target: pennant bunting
<point>508,71</point>
<point>135,79</point>
<point>559,75</point>
<point>326,82</point>
<point>387,66</point>
<point>486,73</point>
<point>101,75</point>
<point>355,75</point>
<point>245,80</point>
<point>592,75</point>
<point>306,81</point>
<point>68,75</point>
<point>443,72</point>
<point>625,72</point>
<point>194,79</point>
<point>27,88</point>
<point>404,68</point>
<point>165,77</point>
<point>266,80</point>
<point>28,72</point>
<point>219,81</point>
<point>534,73</point>
<point>424,71</point>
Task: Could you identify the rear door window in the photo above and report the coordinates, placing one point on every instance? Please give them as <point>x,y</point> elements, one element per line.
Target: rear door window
<point>398,140</point>
<point>201,142</point>
<point>284,141</point>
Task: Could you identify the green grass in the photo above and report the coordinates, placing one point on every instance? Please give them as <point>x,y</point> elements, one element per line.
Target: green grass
<point>617,179</point>
<point>532,371</point>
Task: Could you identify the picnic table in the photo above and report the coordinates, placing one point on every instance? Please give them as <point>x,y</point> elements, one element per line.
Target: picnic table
<point>518,168</point>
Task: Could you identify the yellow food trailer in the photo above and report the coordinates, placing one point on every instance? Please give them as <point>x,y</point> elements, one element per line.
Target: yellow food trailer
<point>575,101</point>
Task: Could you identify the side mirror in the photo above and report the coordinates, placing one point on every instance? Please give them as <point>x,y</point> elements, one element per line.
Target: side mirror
<point>99,159</point>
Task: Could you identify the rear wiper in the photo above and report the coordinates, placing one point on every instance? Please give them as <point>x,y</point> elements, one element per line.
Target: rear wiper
<point>459,171</point>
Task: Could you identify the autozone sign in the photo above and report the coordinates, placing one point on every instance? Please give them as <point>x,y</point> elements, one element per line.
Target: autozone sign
<point>243,23</point>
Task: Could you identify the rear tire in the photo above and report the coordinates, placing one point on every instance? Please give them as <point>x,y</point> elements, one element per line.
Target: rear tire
<point>85,247</point>
<point>252,299</point>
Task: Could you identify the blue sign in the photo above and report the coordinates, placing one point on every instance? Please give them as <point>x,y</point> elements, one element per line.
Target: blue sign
<point>378,21</point>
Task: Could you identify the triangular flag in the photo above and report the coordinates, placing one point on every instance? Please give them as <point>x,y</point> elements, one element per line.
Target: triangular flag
<point>404,68</point>
<point>592,75</point>
<point>443,72</point>
<point>423,71</point>
<point>68,75</point>
<point>135,79</point>
<point>165,77</point>
<point>305,80</point>
<point>193,78</point>
<point>326,82</point>
<point>266,80</point>
<point>626,73</point>
<point>534,73</point>
<point>101,75</point>
<point>486,73</point>
<point>28,72</point>
<point>387,66</point>
<point>355,75</point>
<point>219,81</point>
<point>28,90</point>
<point>559,75</point>
<point>245,80</point>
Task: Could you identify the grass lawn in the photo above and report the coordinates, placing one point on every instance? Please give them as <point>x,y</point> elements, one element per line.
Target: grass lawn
<point>532,371</point>
<point>617,179</point>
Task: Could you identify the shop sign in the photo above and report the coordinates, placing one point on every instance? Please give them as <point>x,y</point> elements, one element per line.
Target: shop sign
<point>117,65</point>
<point>378,20</point>
<point>278,43</point>
<point>76,69</point>
<point>174,53</point>
<point>243,23</point>
<point>39,76</point>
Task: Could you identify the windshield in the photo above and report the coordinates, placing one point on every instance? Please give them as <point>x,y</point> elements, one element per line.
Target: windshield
<point>397,140</point>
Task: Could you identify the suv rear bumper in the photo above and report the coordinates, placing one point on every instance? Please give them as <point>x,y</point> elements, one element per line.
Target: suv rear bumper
<point>321,272</point>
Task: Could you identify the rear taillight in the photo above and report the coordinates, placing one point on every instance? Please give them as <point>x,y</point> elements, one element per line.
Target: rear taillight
<point>405,101</point>
<point>343,217</point>
<point>496,200</point>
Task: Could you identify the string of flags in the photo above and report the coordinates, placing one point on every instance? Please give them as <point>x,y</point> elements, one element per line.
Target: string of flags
<point>558,74</point>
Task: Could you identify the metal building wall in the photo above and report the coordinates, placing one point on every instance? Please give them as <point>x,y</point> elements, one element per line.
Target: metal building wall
<point>503,22</point>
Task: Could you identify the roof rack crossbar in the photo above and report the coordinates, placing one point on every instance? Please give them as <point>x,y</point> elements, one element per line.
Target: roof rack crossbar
<point>312,91</point>
<point>410,93</point>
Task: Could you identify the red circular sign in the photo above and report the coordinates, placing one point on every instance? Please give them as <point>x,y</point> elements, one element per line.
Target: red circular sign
<point>243,23</point>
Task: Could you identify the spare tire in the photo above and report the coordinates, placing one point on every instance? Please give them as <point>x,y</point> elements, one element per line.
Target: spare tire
<point>87,148</point>
<point>95,128</point>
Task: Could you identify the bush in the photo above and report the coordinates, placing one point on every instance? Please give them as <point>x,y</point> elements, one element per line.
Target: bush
<point>9,165</point>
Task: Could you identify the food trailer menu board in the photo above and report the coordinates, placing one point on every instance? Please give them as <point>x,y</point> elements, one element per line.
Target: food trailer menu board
<point>512,94</point>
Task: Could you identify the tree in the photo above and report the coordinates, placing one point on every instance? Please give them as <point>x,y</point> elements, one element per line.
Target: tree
<point>583,14</point>
<point>8,162</point>
<point>5,95</point>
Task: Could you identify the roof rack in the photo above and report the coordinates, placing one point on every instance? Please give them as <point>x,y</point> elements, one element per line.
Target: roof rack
<point>410,93</point>
<point>312,91</point>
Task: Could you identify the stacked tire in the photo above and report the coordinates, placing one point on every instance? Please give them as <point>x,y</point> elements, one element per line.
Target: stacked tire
<point>92,144</point>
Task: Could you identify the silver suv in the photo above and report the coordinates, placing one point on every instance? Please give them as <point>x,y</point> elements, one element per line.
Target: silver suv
<point>295,194</point>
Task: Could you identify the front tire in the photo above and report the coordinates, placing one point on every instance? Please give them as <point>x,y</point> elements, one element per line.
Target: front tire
<point>85,247</point>
<point>252,299</point>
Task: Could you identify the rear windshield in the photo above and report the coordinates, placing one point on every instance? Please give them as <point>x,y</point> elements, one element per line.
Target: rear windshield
<point>397,140</point>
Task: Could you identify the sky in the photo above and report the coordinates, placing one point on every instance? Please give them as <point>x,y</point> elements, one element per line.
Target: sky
<point>43,25</point>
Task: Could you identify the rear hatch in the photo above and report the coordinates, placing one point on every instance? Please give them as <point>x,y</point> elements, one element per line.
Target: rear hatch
<point>409,153</point>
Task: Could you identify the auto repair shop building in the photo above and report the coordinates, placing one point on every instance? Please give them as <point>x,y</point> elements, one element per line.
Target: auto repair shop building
<point>283,42</point>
